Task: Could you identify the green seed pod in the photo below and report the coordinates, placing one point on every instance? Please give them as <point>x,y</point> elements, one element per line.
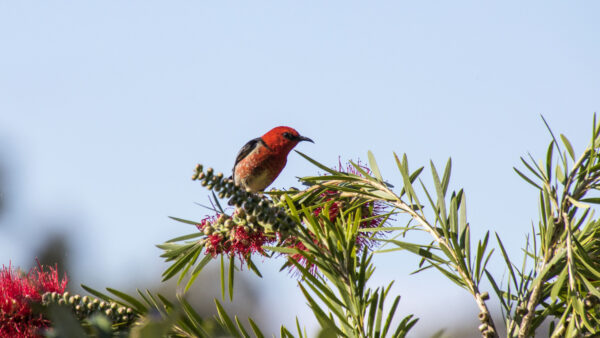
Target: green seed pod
<point>78,308</point>
<point>108,312</point>
<point>199,167</point>
<point>204,182</point>
<point>102,305</point>
<point>71,300</point>
<point>85,299</point>
<point>229,224</point>
<point>62,302</point>
<point>208,230</point>
<point>485,296</point>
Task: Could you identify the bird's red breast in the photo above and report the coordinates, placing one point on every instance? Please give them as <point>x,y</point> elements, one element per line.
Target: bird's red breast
<point>260,161</point>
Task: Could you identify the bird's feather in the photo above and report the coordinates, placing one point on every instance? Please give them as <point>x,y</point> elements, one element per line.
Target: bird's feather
<point>247,149</point>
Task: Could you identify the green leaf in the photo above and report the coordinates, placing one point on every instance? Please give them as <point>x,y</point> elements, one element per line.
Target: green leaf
<point>321,166</point>
<point>226,319</point>
<point>577,203</point>
<point>197,270</point>
<point>390,316</point>
<point>558,284</point>
<point>594,200</point>
<point>255,329</point>
<point>568,146</point>
<point>183,221</point>
<point>129,299</point>
<point>241,327</point>
<point>374,167</point>
<point>231,274</point>
<point>527,179</point>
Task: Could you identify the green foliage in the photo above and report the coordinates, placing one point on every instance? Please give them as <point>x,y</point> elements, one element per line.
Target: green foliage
<point>328,232</point>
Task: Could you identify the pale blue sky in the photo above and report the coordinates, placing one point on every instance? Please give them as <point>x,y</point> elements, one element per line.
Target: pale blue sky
<point>106,106</point>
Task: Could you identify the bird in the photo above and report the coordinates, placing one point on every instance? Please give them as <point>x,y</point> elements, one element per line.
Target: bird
<point>260,161</point>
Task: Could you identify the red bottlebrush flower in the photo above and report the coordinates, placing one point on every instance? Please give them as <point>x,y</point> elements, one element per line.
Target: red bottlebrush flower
<point>225,237</point>
<point>370,211</point>
<point>17,291</point>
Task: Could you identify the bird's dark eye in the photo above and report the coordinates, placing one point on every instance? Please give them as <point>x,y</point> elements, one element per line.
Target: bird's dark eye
<point>288,136</point>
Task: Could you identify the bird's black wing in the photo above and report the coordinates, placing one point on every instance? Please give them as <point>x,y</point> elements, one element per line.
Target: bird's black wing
<point>247,149</point>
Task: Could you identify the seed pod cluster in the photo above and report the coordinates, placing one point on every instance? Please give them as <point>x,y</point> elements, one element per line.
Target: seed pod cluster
<point>84,306</point>
<point>257,209</point>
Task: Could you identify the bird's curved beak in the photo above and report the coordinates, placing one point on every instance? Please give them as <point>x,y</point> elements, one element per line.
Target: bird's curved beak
<point>304,138</point>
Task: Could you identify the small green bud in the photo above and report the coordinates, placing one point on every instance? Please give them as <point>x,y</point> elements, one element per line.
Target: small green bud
<point>485,295</point>
<point>208,230</point>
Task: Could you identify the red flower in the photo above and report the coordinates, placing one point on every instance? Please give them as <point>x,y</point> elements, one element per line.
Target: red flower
<point>225,237</point>
<point>372,213</point>
<point>17,291</point>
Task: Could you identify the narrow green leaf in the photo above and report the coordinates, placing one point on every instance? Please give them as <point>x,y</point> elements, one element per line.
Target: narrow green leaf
<point>205,260</point>
<point>526,178</point>
<point>374,167</point>
<point>390,316</point>
<point>222,277</point>
<point>577,203</point>
<point>558,284</point>
<point>255,329</point>
<point>446,177</point>
<point>321,166</point>
<point>129,299</point>
<point>231,273</point>
<point>241,327</point>
<point>183,221</point>
<point>226,319</point>
<point>568,146</point>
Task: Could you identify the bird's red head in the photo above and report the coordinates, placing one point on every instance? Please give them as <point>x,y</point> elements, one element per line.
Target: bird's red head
<point>283,139</point>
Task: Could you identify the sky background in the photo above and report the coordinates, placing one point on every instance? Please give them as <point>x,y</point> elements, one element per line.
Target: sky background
<point>106,107</point>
